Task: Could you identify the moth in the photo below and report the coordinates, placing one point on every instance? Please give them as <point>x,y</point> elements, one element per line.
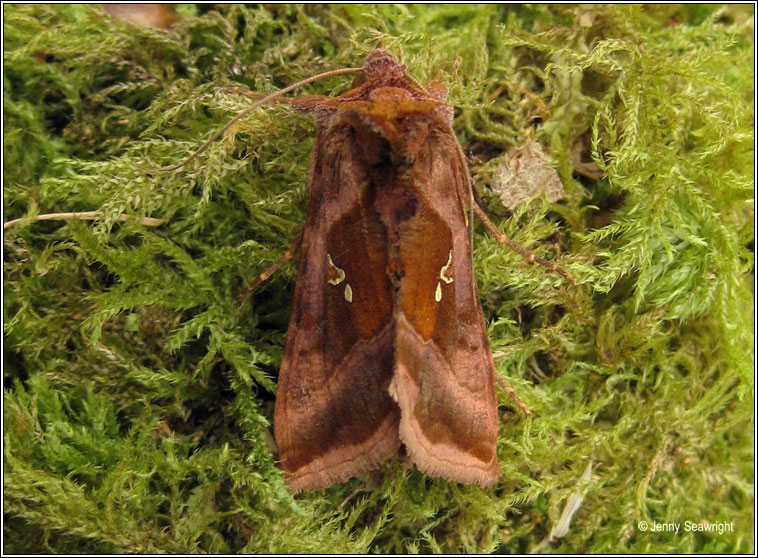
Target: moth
<point>387,345</point>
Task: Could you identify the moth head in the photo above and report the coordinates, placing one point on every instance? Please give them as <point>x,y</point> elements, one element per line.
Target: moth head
<point>381,63</point>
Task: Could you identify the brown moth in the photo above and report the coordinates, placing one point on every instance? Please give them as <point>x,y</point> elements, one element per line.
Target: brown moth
<point>387,345</point>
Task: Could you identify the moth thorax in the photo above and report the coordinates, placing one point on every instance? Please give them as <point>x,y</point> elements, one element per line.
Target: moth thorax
<point>389,92</point>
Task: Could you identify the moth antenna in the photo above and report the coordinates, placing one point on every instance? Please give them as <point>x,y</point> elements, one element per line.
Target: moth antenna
<point>413,80</point>
<point>468,195</point>
<point>471,227</point>
<point>251,108</point>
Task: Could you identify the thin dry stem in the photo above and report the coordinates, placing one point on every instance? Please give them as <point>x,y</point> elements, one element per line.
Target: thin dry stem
<point>82,215</point>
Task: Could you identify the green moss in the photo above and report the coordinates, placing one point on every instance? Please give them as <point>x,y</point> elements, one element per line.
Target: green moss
<point>139,392</point>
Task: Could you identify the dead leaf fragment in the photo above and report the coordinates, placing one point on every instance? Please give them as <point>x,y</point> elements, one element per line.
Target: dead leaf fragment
<point>523,173</point>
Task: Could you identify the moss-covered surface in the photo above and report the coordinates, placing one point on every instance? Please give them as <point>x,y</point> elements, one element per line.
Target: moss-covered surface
<point>139,393</point>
